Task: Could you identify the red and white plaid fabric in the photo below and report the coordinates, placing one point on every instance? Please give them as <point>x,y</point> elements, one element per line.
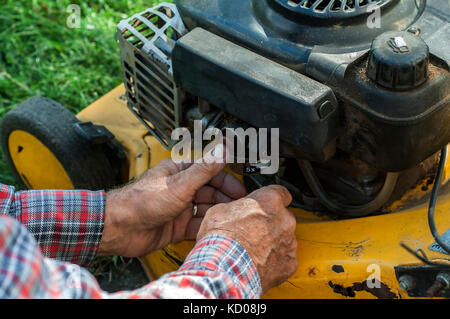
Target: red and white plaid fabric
<point>52,228</point>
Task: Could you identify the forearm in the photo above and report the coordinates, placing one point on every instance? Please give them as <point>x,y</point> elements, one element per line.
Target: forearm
<point>67,225</point>
<point>218,267</point>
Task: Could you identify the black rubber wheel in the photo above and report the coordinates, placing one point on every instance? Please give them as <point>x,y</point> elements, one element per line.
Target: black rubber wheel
<point>87,165</point>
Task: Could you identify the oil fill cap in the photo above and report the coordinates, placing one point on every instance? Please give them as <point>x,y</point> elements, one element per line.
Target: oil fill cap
<point>398,60</point>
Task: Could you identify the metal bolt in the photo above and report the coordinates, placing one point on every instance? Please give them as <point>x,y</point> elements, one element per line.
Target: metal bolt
<point>406,282</point>
<point>441,283</point>
<point>414,30</point>
<point>444,278</point>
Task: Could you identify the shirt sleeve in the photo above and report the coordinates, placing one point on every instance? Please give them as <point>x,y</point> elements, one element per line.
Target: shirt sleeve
<point>67,225</point>
<point>217,267</point>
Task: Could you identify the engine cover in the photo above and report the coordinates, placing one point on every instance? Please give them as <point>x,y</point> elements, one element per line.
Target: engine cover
<point>330,41</point>
<point>258,91</point>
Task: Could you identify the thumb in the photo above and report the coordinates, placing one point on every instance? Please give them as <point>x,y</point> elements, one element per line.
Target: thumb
<point>202,171</point>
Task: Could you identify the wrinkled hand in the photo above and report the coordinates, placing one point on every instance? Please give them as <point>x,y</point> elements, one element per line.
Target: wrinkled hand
<point>261,223</point>
<point>157,209</point>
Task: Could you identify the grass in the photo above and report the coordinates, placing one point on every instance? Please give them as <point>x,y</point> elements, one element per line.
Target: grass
<point>41,56</point>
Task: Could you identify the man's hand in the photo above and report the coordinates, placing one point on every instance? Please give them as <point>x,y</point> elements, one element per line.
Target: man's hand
<point>261,223</point>
<point>157,209</point>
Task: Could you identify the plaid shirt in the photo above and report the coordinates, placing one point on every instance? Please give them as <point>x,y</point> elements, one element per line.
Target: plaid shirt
<point>43,234</point>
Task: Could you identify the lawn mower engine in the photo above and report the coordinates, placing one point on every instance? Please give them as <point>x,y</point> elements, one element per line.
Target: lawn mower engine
<point>359,89</point>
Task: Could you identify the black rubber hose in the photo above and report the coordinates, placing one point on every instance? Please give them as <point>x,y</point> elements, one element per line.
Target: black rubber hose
<point>432,203</point>
<point>344,209</point>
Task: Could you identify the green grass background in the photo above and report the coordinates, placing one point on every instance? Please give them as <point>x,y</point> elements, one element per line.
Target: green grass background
<point>41,56</point>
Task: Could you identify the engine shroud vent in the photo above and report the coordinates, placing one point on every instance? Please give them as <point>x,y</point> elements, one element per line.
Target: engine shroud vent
<point>146,41</point>
<point>332,8</point>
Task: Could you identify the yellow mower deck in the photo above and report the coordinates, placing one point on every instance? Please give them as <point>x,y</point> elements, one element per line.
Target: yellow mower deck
<point>335,257</point>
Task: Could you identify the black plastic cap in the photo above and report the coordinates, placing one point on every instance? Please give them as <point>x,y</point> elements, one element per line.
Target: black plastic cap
<point>398,60</point>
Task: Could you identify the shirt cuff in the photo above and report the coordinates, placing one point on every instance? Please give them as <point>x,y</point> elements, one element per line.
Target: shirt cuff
<point>218,253</point>
<point>67,225</point>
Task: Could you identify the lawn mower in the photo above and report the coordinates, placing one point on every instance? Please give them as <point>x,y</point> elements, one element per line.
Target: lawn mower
<point>360,92</point>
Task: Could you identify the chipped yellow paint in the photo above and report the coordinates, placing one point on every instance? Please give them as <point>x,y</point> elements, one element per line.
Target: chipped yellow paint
<point>420,190</point>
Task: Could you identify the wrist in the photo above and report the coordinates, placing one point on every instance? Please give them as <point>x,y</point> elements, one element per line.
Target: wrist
<point>113,240</point>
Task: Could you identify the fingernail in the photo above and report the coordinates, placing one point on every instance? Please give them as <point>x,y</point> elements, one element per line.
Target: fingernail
<point>217,151</point>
